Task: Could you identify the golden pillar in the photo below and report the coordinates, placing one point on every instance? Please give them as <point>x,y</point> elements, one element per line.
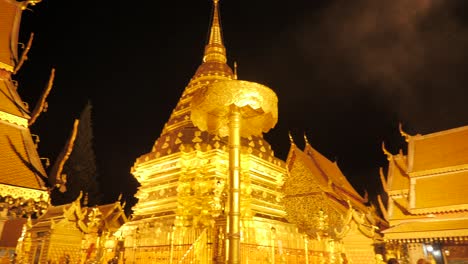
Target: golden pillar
<point>234,183</point>
<point>236,109</point>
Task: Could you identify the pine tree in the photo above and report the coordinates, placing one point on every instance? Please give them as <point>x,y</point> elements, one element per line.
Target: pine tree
<point>80,169</point>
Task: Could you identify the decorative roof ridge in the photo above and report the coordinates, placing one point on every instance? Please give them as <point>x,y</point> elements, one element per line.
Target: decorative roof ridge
<point>444,170</point>
<point>439,209</point>
<point>313,152</point>
<point>439,133</point>
<point>291,152</point>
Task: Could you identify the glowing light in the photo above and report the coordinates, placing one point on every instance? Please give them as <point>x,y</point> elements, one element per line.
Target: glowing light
<point>429,248</point>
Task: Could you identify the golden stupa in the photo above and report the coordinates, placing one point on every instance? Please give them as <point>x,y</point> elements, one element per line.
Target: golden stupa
<point>183,198</point>
<point>211,149</point>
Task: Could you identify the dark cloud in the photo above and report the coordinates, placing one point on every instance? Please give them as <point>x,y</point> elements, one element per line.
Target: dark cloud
<point>409,55</point>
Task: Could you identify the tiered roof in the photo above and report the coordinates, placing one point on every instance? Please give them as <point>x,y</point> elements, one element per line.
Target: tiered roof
<point>317,184</point>
<point>427,188</point>
<point>21,171</point>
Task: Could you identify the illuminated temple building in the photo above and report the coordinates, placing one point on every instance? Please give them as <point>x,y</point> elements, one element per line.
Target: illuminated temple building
<point>427,198</point>
<point>22,189</point>
<point>321,201</point>
<point>302,210</point>
<point>31,230</point>
<point>183,204</point>
<point>72,233</point>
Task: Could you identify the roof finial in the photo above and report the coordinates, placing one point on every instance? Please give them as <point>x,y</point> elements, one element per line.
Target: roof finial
<point>403,133</point>
<point>215,50</point>
<point>386,152</point>
<point>305,139</point>
<point>291,140</point>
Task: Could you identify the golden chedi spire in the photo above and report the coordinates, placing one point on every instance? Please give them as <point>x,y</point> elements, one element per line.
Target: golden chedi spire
<point>215,50</point>
<point>179,133</point>
<point>214,57</point>
<point>181,144</point>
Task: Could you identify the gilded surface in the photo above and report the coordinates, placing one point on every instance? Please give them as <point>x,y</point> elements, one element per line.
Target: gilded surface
<point>23,202</point>
<point>182,210</point>
<point>426,193</point>
<point>20,121</point>
<point>438,152</point>
<point>257,104</point>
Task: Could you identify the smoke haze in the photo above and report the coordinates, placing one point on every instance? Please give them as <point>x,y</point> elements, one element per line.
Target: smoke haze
<point>410,55</point>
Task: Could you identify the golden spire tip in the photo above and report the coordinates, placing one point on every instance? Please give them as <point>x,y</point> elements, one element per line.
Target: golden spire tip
<point>290,137</point>
<point>305,138</point>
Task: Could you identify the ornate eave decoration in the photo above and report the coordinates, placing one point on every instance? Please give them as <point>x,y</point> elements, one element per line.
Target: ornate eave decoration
<point>440,209</point>
<point>439,170</point>
<point>21,202</point>
<point>6,67</point>
<point>13,119</point>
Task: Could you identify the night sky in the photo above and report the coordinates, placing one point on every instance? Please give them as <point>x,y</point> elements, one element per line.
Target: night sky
<point>345,72</point>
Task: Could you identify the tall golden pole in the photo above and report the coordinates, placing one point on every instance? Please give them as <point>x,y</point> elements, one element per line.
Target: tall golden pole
<point>234,108</point>
<point>234,183</point>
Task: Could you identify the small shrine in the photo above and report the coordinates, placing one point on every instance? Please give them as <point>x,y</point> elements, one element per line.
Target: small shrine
<point>319,199</point>
<point>72,234</point>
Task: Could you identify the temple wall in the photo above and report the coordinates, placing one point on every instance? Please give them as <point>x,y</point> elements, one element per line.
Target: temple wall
<point>262,241</point>
<point>359,248</point>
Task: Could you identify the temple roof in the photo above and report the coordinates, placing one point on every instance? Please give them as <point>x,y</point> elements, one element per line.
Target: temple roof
<point>429,184</point>
<point>333,173</point>
<point>304,177</point>
<point>10,15</point>
<point>319,173</point>
<point>441,193</point>
<point>398,177</point>
<point>19,162</point>
<point>428,230</point>
<point>315,189</point>
<point>10,102</point>
<point>111,215</point>
<point>438,152</point>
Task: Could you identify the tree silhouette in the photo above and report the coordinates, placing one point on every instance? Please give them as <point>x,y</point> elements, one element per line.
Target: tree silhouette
<point>80,169</point>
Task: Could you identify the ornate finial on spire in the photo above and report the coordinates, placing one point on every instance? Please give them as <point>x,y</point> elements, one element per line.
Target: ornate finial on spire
<point>305,139</point>
<point>290,137</point>
<point>403,133</point>
<point>215,50</point>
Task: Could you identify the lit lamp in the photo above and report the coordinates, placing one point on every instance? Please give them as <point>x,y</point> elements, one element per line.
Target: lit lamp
<point>236,109</point>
